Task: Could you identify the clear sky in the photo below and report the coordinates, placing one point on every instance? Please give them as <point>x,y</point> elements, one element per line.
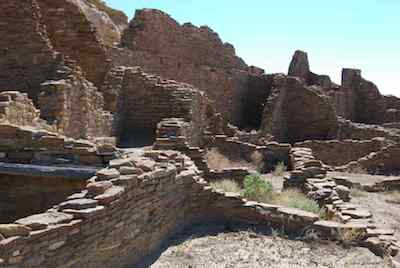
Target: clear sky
<point>362,34</point>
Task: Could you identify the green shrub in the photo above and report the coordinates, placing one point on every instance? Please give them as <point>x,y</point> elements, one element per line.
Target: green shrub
<point>280,169</point>
<point>226,185</point>
<point>257,189</point>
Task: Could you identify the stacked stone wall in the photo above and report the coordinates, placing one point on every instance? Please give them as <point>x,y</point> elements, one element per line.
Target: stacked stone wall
<point>128,211</point>
<point>337,153</point>
<point>75,107</point>
<point>75,36</point>
<point>16,108</point>
<point>30,146</point>
<point>27,57</point>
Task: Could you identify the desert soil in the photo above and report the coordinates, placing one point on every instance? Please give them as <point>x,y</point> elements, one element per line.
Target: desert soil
<point>244,248</point>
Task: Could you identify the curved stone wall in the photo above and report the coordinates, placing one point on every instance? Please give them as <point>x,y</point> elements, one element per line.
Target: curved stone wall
<point>127,211</point>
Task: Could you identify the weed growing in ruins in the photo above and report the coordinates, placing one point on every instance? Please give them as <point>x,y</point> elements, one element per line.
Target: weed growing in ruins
<point>393,197</point>
<point>296,199</point>
<point>257,189</point>
<point>226,186</point>
<point>347,236</point>
<point>356,192</point>
<point>280,169</point>
<point>357,170</point>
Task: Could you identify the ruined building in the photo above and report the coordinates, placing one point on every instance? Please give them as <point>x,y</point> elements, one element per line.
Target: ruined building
<point>80,86</point>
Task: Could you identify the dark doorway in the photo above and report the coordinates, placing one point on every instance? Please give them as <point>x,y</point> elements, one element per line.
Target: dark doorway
<point>136,138</point>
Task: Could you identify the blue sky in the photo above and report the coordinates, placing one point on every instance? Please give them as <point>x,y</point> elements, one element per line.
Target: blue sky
<point>362,34</point>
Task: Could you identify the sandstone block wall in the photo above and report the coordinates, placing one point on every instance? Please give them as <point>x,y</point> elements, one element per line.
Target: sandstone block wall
<point>147,99</point>
<point>296,112</point>
<point>188,54</point>
<point>16,108</point>
<point>75,107</point>
<point>356,131</point>
<point>337,153</point>
<point>22,196</point>
<point>75,36</point>
<point>309,175</point>
<point>127,211</point>
<point>266,156</point>
<point>29,146</point>
<point>26,55</point>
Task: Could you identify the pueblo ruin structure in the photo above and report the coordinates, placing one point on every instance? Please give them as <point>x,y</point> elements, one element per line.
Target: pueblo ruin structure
<point>80,87</point>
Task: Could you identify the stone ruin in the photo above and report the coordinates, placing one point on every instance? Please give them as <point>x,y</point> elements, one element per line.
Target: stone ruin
<point>104,127</point>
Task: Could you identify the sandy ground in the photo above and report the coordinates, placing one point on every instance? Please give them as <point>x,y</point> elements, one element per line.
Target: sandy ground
<point>245,248</point>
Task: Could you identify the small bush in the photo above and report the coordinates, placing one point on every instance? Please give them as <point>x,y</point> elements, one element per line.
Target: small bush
<point>295,199</point>
<point>226,185</point>
<point>280,169</point>
<point>257,189</point>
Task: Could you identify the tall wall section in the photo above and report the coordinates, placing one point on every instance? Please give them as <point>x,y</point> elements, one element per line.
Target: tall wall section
<point>188,54</point>
<point>74,35</point>
<point>27,57</point>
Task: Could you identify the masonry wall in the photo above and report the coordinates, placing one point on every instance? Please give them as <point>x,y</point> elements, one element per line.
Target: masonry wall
<point>22,196</point>
<point>147,99</point>
<point>16,108</point>
<point>337,153</point>
<point>75,36</point>
<point>122,218</point>
<point>25,145</point>
<point>186,53</point>
<point>75,106</point>
<point>26,55</point>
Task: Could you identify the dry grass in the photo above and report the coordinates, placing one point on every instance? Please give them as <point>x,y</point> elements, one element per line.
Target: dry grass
<point>296,199</point>
<point>228,186</point>
<point>393,197</point>
<point>279,170</point>
<point>350,235</point>
<point>217,161</point>
<point>357,170</point>
<point>356,192</point>
<point>259,190</point>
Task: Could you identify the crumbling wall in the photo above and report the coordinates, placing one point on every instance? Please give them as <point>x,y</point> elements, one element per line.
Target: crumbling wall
<point>337,153</point>
<point>75,107</point>
<point>75,36</point>
<point>296,112</point>
<point>27,57</point>
<point>147,99</point>
<point>188,54</point>
<point>369,106</point>
<point>93,228</point>
<point>357,131</point>
<point>22,196</point>
<point>16,108</point>
<point>27,145</point>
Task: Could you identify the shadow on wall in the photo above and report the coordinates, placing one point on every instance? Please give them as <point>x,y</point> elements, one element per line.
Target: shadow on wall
<point>22,196</point>
<point>136,138</point>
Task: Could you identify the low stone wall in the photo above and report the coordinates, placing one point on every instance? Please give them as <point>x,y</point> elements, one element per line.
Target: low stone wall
<point>22,196</point>
<point>236,174</point>
<point>268,155</point>
<point>357,131</point>
<point>385,161</point>
<point>309,175</point>
<point>127,211</point>
<point>341,152</point>
<point>16,108</point>
<point>29,146</point>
